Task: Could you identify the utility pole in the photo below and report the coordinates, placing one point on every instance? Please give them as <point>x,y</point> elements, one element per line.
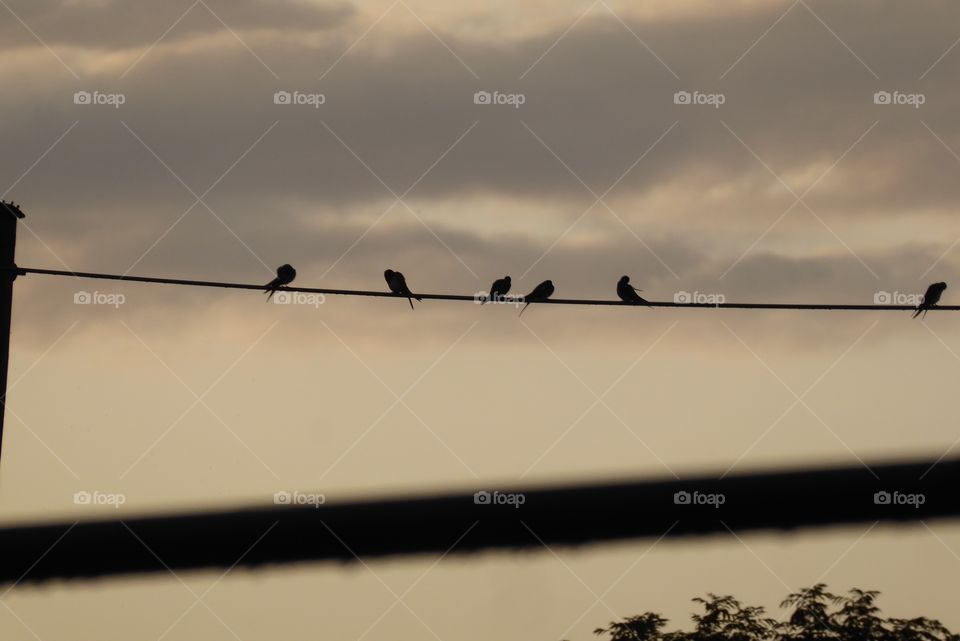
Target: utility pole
<point>9,215</point>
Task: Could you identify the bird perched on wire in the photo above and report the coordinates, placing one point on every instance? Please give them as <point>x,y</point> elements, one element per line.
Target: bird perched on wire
<point>930,299</point>
<point>398,285</point>
<point>540,293</point>
<point>285,276</point>
<point>498,290</point>
<point>628,293</point>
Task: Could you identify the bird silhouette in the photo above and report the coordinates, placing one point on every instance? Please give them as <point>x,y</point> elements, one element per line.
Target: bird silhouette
<point>398,285</point>
<point>498,290</point>
<point>930,299</point>
<point>540,293</point>
<point>285,276</point>
<point>14,207</point>
<point>628,293</point>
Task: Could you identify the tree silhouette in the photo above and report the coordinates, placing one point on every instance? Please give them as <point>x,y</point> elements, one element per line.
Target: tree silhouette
<point>813,614</point>
<point>810,619</point>
<point>725,619</point>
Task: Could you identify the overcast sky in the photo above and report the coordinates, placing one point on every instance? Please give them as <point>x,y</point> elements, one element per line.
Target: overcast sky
<point>749,151</point>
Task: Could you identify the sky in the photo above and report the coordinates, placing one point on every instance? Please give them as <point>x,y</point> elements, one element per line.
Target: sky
<point>749,151</point>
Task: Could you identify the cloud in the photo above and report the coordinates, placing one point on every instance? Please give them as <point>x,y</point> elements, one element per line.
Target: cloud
<point>698,185</point>
<point>599,100</point>
<point>122,24</point>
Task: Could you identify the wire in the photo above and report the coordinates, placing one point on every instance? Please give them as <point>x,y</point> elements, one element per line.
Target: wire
<point>476,298</point>
<point>295,530</point>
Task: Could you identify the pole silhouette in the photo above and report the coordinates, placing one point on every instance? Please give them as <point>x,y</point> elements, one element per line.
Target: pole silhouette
<point>9,215</point>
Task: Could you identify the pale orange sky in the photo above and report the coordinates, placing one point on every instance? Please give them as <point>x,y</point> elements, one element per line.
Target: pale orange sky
<point>798,188</point>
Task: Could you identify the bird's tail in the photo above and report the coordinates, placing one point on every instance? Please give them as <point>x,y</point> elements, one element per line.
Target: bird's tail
<point>523,310</point>
<point>920,308</point>
<point>271,288</point>
<point>410,300</point>
<point>643,300</point>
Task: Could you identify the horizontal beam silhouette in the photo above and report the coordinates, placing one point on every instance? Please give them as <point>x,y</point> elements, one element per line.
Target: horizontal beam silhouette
<point>461,523</point>
<point>473,298</point>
